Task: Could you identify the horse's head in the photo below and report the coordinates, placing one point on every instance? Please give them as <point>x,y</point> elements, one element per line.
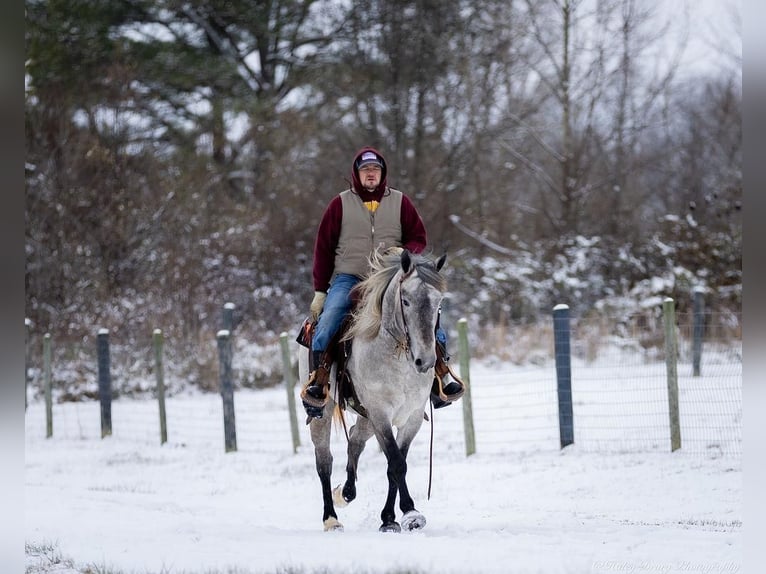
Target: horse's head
<point>399,301</point>
<point>414,303</point>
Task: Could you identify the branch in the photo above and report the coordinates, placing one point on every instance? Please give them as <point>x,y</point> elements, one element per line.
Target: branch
<point>226,47</point>
<point>533,167</point>
<point>455,219</point>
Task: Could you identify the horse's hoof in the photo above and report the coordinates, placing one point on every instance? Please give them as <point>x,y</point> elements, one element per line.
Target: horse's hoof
<point>413,520</point>
<point>390,527</point>
<point>349,492</point>
<point>332,525</point>
<point>337,497</point>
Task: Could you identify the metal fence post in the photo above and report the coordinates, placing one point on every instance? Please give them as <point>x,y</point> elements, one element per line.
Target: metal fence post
<point>227,390</point>
<point>228,317</point>
<point>470,434</point>
<point>698,329</point>
<point>671,358</point>
<point>561,337</point>
<point>158,341</point>
<point>290,386</point>
<point>47,385</point>
<point>104,382</point>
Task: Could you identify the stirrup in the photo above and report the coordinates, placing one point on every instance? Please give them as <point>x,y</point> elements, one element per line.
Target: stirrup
<point>455,396</point>
<point>313,401</point>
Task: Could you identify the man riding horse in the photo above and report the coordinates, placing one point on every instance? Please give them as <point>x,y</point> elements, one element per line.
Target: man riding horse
<point>367,216</point>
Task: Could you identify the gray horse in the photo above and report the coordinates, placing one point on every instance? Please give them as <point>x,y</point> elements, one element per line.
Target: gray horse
<point>392,367</point>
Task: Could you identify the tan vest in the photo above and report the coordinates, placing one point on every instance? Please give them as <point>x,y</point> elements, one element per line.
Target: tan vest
<point>362,231</point>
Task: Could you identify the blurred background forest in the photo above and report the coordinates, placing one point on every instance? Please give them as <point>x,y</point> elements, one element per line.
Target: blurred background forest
<point>179,155</point>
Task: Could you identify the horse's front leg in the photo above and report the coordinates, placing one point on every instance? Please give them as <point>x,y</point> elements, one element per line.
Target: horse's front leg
<point>320,436</point>
<point>358,436</point>
<point>397,469</point>
<point>411,518</point>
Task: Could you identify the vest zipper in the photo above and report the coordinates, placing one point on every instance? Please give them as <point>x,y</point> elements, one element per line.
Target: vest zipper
<point>372,227</point>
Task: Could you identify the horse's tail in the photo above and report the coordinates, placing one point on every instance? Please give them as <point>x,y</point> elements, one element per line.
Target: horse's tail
<point>339,418</point>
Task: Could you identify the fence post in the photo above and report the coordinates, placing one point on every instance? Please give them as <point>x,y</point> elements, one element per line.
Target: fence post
<point>290,385</point>
<point>27,327</point>
<point>158,341</point>
<point>227,390</point>
<point>561,337</point>
<point>228,317</point>
<point>47,384</point>
<point>104,382</point>
<point>470,435</point>
<point>698,330</point>
<point>671,357</point>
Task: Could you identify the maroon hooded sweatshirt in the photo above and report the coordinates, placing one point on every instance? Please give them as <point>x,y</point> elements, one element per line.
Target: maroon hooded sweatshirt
<point>413,231</point>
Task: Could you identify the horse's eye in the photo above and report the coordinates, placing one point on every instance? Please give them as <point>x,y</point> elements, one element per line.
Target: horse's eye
<point>405,303</point>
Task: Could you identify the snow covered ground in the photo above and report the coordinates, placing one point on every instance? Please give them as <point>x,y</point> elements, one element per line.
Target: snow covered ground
<point>617,500</point>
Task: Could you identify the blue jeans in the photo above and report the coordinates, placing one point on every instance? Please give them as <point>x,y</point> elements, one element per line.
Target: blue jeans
<point>335,308</point>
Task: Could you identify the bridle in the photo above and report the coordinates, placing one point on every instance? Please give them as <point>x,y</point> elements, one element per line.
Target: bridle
<point>405,345</point>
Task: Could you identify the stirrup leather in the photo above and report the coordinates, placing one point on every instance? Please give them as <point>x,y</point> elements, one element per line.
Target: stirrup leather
<point>438,374</point>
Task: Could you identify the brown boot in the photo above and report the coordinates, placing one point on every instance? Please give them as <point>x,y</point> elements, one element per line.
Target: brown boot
<point>317,389</point>
<point>443,391</point>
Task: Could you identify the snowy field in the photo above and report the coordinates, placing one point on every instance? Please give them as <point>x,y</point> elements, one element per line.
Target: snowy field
<point>617,500</point>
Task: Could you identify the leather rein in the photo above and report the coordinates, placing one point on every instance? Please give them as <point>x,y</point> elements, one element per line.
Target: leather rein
<point>402,346</point>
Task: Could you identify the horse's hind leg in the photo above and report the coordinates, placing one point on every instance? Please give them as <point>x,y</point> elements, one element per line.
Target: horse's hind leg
<point>320,436</point>
<point>358,436</point>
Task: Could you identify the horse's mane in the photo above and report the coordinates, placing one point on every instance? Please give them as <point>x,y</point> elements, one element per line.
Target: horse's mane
<point>366,318</point>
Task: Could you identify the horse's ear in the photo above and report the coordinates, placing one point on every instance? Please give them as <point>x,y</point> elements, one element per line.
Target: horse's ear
<point>406,261</point>
<point>440,262</point>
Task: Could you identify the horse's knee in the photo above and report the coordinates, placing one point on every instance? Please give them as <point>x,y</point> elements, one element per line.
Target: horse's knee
<point>324,463</point>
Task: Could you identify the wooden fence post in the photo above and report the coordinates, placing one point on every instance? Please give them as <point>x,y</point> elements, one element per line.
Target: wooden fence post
<point>698,329</point>
<point>470,435</point>
<point>290,386</point>
<point>104,382</point>
<point>158,341</point>
<point>227,390</point>
<point>671,357</point>
<point>561,337</point>
<point>27,327</point>
<point>47,385</point>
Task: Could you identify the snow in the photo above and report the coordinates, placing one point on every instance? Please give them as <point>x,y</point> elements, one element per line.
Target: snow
<point>125,503</point>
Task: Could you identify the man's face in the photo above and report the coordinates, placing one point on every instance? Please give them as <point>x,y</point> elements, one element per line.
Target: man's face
<point>370,176</point>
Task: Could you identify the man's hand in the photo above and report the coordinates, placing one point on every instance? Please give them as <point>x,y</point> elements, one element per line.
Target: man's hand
<point>317,304</point>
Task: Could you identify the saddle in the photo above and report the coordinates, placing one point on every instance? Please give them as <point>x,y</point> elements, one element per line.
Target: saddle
<point>337,353</point>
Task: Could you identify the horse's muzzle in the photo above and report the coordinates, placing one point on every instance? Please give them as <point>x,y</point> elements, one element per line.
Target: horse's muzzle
<point>422,365</point>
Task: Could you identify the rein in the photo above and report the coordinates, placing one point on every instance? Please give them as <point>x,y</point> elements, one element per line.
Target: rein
<point>405,346</point>
<point>431,450</point>
<point>402,346</point>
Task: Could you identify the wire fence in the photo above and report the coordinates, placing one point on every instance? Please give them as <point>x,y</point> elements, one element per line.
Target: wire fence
<point>621,391</point>
<point>619,382</point>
